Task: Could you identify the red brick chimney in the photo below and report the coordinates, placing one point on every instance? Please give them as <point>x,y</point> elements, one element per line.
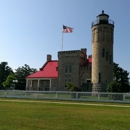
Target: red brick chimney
<point>48,57</point>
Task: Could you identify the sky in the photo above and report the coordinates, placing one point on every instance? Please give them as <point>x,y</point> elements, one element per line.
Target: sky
<point>31,29</point>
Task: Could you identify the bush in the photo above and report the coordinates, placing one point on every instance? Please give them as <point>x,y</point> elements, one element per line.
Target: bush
<point>113,87</point>
<point>118,87</point>
<point>73,87</point>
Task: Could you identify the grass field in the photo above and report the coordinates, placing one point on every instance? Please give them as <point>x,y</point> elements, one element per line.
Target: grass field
<point>62,115</point>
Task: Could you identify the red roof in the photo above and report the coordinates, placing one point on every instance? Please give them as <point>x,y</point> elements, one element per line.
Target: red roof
<point>49,70</point>
<point>90,59</point>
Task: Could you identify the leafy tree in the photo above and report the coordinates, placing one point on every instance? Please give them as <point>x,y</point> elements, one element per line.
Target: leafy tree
<point>120,80</point>
<point>120,75</point>
<point>5,70</point>
<point>21,74</point>
<point>9,81</point>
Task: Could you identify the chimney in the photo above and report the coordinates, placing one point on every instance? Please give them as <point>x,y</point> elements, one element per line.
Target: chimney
<point>48,57</point>
<point>84,50</point>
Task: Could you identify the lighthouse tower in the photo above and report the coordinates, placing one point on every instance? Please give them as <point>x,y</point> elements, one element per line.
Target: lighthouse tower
<point>102,52</point>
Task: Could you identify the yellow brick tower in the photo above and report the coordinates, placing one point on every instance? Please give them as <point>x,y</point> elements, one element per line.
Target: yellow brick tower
<point>102,52</point>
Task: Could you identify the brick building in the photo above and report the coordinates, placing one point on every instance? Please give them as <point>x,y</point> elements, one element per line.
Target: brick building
<point>71,66</point>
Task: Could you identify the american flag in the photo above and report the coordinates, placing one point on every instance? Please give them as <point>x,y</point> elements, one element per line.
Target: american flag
<point>67,29</point>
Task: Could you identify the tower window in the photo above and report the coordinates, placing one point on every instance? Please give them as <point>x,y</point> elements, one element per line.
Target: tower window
<point>99,77</point>
<point>106,55</point>
<point>103,52</point>
<point>97,37</point>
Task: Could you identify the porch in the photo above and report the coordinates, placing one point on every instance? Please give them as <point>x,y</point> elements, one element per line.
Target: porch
<point>38,84</point>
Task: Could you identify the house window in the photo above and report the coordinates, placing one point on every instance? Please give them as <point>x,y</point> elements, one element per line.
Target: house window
<point>103,52</point>
<point>66,69</point>
<point>70,69</point>
<point>106,55</point>
<point>44,83</point>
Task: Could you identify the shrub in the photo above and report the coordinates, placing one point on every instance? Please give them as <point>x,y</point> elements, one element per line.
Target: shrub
<point>73,87</point>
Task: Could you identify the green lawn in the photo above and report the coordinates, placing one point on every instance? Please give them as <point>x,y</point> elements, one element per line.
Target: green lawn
<point>49,115</point>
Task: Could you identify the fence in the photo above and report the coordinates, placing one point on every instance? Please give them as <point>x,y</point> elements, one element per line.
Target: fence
<point>64,95</point>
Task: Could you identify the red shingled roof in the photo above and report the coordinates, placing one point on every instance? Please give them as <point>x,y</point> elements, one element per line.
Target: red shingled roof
<point>49,70</point>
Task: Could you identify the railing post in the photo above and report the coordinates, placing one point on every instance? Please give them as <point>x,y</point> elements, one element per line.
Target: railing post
<point>13,93</point>
<point>37,95</point>
<point>5,93</point>
<point>98,95</point>
<point>123,96</point>
<point>76,95</point>
<point>21,94</point>
<point>56,94</point>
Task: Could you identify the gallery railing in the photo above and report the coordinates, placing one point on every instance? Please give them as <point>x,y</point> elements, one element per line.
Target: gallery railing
<point>111,22</point>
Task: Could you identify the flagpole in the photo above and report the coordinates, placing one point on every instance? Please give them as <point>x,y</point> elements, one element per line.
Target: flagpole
<point>66,29</point>
<point>62,41</point>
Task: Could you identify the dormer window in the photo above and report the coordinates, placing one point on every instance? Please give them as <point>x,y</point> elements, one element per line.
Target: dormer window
<point>56,68</point>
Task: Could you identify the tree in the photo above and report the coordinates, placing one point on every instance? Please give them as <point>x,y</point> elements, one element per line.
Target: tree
<point>5,70</point>
<point>120,75</point>
<point>120,80</point>
<point>9,81</point>
<point>21,74</point>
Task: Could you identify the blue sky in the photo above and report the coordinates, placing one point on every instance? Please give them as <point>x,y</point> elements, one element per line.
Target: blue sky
<point>31,29</point>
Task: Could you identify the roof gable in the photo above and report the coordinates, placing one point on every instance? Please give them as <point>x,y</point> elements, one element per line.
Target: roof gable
<point>48,70</point>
